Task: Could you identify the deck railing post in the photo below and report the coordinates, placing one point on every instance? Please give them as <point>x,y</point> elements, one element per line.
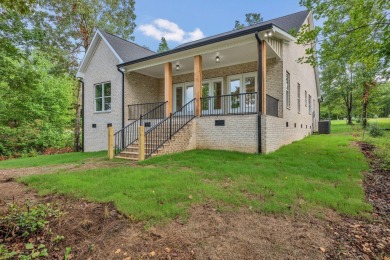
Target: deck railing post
<point>110,148</point>
<point>141,143</point>
<point>170,126</point>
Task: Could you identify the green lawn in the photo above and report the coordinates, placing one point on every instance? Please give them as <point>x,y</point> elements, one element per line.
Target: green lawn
<point>321,171</point>
<point>45,160</point>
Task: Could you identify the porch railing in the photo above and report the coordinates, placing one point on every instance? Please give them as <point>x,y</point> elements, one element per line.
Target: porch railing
<point>272,106</point>
<point>136,110</point>
<point>163,131</point>
<point>126,136</point>
<point>234,104</point>
<point>129,134</point>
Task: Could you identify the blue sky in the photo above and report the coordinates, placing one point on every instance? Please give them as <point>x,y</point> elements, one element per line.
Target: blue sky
<point>184,20</point>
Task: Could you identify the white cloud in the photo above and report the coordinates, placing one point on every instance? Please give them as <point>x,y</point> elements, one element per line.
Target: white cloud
<point>171,31</point>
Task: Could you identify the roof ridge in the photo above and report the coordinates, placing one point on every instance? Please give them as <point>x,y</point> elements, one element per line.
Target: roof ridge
<point>126,40</point>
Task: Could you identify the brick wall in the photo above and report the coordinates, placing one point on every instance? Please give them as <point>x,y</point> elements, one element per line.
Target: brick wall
<point>101,68</point>
<point>238,134</point>
<point>184,140</point>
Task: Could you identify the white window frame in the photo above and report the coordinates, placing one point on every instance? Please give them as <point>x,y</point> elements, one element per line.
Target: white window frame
<point>102,97</point>
<point>241,77</point>
<point>211,93</point>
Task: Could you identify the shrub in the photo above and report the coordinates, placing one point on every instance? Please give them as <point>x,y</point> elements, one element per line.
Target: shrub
<point>375,131</point>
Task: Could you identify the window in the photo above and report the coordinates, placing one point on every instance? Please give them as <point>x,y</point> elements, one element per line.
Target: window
<point>299,98</point>
<point>309,104</point>
<point>103,97</point>
<point>305,98</point>
<point>288,98</point>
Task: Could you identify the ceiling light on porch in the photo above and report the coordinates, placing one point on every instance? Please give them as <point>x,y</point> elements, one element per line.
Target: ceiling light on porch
<point>217,59</point>
<point>177,67</point>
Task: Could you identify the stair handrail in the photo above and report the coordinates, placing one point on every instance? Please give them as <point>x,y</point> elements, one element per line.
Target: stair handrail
<point>160,133</point>
<point>129,134</point>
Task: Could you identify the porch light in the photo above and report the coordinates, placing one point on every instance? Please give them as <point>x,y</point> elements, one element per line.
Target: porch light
<point>217,59</point>
<point>268,34</point>
<point>177,67</point>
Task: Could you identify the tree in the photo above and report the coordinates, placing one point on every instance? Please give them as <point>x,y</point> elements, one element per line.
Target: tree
<point>69,28</point>
<point>250,19</point>
<point>163,46</point>
<point>356,32</point>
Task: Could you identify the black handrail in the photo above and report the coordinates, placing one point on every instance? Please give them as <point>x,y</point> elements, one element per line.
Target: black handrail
<point>156,113</point>
<point>135,110</point>
<point>129,134</point>
<point>233,104</point>
<point>272,106</point>
<point>126,136</point>
<point>159,134</point>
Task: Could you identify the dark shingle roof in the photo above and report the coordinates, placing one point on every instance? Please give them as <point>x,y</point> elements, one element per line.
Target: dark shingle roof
<point>286,23</point>
<point>128,51</point>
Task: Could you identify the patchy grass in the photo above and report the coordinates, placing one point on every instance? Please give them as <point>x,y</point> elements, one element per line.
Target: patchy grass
<point>45,160</point>
<point>321,171</point>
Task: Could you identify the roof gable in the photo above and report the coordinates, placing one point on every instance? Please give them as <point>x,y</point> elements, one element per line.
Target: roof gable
<point>122,49</point>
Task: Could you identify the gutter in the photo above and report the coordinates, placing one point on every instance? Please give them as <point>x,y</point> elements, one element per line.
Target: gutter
<point>123,97</point>
<point>259,90</point>
<point>83,112</point>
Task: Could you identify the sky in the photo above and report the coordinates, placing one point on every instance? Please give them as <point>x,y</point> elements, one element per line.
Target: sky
<point>181,21</point>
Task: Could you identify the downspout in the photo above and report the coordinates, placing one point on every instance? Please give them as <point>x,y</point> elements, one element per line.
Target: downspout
<point>83,112</point>
<point>123,97</point>
<point>259,89</point>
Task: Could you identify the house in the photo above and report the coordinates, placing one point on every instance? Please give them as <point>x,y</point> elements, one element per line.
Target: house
<point>242,90</point>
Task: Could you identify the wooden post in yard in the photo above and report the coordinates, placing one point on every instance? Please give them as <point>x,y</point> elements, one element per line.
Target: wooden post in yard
<point>168,87</point>
<point>141,143</point>
<point>110,141</point>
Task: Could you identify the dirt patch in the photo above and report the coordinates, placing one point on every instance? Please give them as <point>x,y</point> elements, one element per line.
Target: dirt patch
<point>362,238</point>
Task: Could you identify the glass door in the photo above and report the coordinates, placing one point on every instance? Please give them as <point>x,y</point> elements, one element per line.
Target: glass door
<point>234,90</point>
<point>178,97</point>
<point>211,96</point>
<point>249,99</point>
<point>189,95</point>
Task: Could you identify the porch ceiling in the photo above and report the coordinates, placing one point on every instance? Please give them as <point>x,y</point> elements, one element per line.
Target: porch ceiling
<point>229,56</point>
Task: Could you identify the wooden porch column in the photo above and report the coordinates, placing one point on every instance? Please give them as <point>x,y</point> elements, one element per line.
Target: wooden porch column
<point>198,84</point>
<point>264,78</point>
<point>168,87</point>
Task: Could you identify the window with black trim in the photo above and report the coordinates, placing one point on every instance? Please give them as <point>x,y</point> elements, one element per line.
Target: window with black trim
<point>288,93</point>
<point>309,104</point>
<point>103,97</point>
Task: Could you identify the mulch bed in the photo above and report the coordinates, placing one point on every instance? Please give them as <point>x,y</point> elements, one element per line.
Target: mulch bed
<point>363,238</point>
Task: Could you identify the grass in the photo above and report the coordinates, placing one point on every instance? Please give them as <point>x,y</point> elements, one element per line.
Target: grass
<point>318,172</point>
<point>46,160</point>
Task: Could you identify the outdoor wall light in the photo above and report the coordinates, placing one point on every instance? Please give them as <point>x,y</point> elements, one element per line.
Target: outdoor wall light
<point>217,59</point>
<point>177,67</point>
<point>268,34</point>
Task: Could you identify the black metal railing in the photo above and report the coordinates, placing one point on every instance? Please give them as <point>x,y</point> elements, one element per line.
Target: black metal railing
<point>136,110</point>
<point>156,113</point>
<point>272,106</point>
<point>126,137</point>
<point>233,104</point>
<point>163,131</point>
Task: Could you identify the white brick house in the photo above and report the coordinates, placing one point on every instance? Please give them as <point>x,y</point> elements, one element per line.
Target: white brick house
<point>242,90</point>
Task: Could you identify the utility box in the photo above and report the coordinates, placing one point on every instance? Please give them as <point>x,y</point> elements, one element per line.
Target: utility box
<point>324,127</point>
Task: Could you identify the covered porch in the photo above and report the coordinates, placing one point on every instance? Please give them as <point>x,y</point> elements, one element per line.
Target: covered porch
<point>238,76</point>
